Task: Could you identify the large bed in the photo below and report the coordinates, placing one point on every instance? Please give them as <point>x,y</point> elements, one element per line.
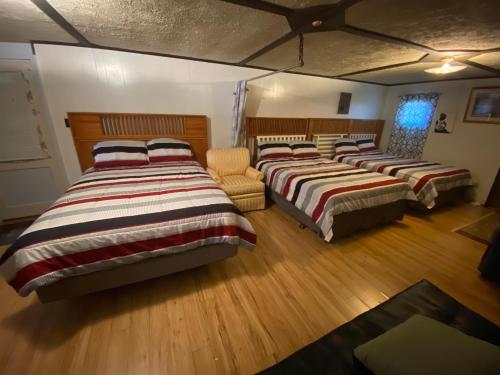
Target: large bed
<point>434,184</point>
<point>119,225</point>
<point>334,199</point>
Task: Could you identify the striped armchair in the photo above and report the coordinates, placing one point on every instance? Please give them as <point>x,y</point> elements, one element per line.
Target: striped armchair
<point>230,167</point>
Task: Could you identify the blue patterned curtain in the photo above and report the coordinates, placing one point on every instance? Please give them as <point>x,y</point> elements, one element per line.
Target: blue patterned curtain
<point>238,126</point>
<point>411,125</point>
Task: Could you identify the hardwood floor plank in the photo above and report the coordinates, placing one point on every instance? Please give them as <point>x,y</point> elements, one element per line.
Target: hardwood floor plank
<point>247,312</point>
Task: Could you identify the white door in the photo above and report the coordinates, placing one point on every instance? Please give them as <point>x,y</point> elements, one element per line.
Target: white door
<point>29,176</point>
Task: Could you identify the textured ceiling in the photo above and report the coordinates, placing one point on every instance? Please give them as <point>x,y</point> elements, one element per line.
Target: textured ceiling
<point>489,59</point>
<point>302,3</point>
<point>21,21</point>
<point>375,33</point>
<point>335,52</point>
<point>440,24</point>
<point>206,29</point>
<point>415,73</point>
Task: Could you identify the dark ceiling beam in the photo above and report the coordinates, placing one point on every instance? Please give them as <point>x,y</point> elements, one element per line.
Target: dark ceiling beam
<point>433,81</point>
<point>382,67</point>
<point>262,5</point>
<point>53,14</point>
<point>301,22</point>
<point>386,38</point>
<point>481,66</point>
<point>159,54</point>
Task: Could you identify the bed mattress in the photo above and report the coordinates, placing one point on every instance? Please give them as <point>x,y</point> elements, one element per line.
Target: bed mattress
<point>116,216</point>
<point>427,179</point>
<point>322,188</point>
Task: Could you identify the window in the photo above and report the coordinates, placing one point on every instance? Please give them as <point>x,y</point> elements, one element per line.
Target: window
<point>416,113</point>
<point>411,125</point>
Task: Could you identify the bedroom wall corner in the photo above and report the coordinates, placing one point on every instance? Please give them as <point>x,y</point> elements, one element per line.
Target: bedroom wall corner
<point>470,145</point>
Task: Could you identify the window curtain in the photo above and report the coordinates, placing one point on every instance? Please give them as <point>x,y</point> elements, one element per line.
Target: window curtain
<point>238,126</point>
<point>411,125</point>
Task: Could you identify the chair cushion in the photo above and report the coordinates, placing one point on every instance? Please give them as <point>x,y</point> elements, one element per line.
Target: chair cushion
<point>168,149</point>
<point>424,346</point>
<point>239,185</point>
<point>344,146</point>
<point>119,154</point>
<point>366,145</point>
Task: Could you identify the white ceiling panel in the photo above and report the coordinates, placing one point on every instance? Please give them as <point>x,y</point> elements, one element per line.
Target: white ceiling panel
<point>206,29</point>
<point>334,53</point>
<point>441,24</point>
<point>21,21</point>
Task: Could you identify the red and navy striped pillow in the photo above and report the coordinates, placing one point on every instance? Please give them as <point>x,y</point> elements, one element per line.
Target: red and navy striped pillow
<point>345,146</point>
<point>366,145</point>
<point>274,150</point>
<point>169,149</point>
<point>304,149</point>
<point>119,154</point>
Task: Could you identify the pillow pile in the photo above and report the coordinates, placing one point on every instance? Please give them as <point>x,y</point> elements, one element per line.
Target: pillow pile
<point>168,149</point>
<point>304,149</point>
<point>119,154</point>
<point>344,146</point>
<point>366,145</point>
<point>274,150</point>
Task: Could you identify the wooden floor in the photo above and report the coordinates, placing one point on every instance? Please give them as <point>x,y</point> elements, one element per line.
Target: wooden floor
<point>248,312</point>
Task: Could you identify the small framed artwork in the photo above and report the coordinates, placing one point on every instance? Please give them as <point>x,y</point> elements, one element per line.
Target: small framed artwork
<point>344,103</point>
<point>444,122</point>
<point>483,105</point>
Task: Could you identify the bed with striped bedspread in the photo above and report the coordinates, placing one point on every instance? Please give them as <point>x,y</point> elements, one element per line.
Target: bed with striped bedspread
<point>322,188</point>
<point>123,215</point>
<point>427,179</point>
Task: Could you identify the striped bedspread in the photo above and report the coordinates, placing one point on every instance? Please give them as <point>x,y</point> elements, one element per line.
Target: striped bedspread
<point>116,216</point>
<point>322,188</point>
<point>427,179</point>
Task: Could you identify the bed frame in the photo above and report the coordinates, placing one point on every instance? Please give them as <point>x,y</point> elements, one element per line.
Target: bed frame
<point>89,128</point>
<point>290,129</point>
<point>346,223</point>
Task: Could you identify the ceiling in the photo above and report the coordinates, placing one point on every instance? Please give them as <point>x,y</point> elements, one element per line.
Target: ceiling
<point>387,42</point>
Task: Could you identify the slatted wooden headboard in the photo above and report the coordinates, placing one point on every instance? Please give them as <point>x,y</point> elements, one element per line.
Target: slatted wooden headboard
<point>90,128</point>
<point>258,126</point>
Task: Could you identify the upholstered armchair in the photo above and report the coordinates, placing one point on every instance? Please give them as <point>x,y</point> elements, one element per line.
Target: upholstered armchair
<point>230,167</point>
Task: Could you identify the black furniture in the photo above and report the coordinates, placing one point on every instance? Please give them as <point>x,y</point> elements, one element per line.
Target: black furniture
<point>333,353</point>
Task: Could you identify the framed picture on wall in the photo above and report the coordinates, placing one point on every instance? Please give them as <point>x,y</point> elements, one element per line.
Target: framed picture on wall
<point>344,103</point>
<point>483,105</point>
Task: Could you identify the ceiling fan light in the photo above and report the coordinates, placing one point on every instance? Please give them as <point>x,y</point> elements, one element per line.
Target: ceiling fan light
<point>446,68</point>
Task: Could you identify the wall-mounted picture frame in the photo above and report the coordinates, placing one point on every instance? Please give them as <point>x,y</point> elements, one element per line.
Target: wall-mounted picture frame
<point>444,122</point>
<point>344,103</point>
<point>484,105</point>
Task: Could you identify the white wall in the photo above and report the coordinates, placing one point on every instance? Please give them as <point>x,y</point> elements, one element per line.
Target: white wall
<point>80,79</point>
<point>472,146</point>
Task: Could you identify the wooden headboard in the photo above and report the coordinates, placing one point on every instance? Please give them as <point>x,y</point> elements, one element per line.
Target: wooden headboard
<point>258,126</point>
<point>90,128</point>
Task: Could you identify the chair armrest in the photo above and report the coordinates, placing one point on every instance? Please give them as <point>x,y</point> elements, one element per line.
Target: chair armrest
<point>254,174</point>
<point>214,175</point>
